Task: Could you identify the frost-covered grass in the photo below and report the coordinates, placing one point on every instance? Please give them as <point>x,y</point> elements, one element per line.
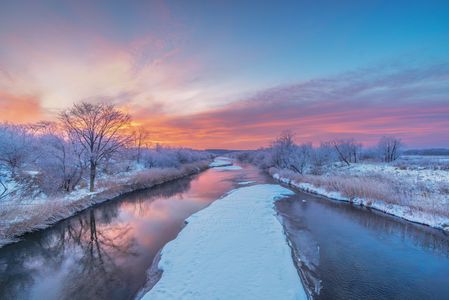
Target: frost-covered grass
<point>18,216</point>
<point>419,162</point>
<point>414,192</point>
<point>234,249</point>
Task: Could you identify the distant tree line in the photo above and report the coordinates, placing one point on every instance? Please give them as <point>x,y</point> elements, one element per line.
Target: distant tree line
<point>285,153</point>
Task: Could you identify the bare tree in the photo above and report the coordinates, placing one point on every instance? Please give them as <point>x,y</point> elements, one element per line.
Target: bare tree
<point>140,137</point>
<point>348,151</point>
<point>287,155</point>
<point>389,148</point>
<point>99,128</point>
<point>3,190</point>
<point>15,146</point>
<point>282,150</point>
<point>322,155</point>
<point>62,160</point>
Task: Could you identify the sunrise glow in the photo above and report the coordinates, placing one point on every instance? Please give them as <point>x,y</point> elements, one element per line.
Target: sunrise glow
<point>234,75</point>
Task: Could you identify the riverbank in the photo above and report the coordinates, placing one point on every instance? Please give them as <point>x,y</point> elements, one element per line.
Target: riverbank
<point>17,220</point>
<point>235,248</point>
<point>400,195</point>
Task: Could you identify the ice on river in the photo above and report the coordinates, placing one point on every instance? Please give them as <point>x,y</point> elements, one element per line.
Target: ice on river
<point>234,249</point>
<point>220,162</point>
<point>228,168</point>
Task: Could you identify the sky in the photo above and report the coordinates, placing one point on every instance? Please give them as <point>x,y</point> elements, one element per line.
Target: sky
<point>234,74</point>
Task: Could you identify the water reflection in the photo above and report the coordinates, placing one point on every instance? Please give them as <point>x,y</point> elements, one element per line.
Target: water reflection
<point>348,252</point>
<point>105,252</point>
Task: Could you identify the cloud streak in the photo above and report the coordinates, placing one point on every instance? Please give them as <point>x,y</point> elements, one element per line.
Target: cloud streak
<point>411,103</point>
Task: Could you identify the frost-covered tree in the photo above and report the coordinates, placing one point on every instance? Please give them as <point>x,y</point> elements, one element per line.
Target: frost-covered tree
<point>16,145</point>
<point>283,149</point>
<point>348,151</point>
<point>286,154</point>
<point>302,158</point>
<point>140,141</point>
<point>62,161</point>
<point>389,148</point>
<point>321,156</point>
<point>100,130</point>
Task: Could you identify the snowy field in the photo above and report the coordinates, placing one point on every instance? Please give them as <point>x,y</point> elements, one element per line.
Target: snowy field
<point>415,188</point>
<point>234,249</point>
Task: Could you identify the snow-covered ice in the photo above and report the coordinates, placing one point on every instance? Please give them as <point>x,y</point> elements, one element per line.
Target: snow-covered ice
<point>224,164</point>
<point>234,249</point>
<point>220,162</point>
<point>228,168</point>
<point>245,182</point>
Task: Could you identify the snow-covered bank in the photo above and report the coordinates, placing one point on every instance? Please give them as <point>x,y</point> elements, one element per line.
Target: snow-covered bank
<point>410,213</point>
<point>19,218</point>
<point>234,249</point>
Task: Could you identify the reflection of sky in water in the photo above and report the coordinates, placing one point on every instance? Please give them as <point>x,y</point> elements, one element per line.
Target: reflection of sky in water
<point>362,254</point>
<point>104,253</point>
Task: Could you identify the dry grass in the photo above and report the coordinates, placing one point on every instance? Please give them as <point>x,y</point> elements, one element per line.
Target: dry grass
<point>18,217</point>
<point>377,188</point>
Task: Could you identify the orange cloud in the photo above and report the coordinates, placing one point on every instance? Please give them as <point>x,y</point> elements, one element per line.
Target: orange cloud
<point>411,104</point>
<point>19,109</point>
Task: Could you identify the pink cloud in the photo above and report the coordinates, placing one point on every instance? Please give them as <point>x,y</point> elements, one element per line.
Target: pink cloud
<point>410,103</point>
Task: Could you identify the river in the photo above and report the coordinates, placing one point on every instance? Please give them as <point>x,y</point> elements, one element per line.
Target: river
<point>343,252</point>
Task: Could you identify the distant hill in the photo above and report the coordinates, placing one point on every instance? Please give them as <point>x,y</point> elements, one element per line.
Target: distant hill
<point>431,151</point>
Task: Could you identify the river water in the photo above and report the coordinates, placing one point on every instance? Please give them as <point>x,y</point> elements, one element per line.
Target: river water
<point>343,252</point>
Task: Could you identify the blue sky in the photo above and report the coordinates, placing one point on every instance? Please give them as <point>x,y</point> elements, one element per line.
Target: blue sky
<point>170,59</point>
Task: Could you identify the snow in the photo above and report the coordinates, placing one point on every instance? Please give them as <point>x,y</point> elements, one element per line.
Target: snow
<point>224,164</point>
<point>402,211</point>
<point>420,183</point>
<point>429,176</point>
<point>37,210</point>
<point>234,249</point>
<point>228,168</point>
<point>32,172</point>
<point>245,182</point>
<point>220,162</point>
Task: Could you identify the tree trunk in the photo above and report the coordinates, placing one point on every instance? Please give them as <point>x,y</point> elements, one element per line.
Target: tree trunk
<point>295,169</point>
<point>93,171</point>
<point>341,155</point>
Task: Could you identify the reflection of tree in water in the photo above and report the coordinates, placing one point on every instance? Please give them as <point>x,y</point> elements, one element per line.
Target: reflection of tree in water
<point>100,251</point>
<point>99,275</point>
<point>13,280</point>
<point>96,271</point>
<point>141,199</point>
<point>93,249</point>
